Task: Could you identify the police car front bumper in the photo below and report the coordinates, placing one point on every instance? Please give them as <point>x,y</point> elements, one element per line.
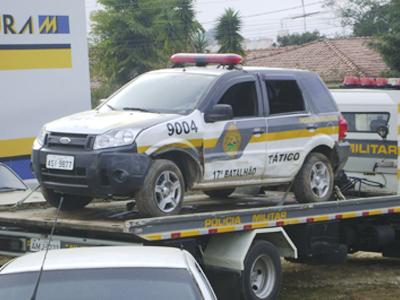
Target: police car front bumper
<point>96,173</point>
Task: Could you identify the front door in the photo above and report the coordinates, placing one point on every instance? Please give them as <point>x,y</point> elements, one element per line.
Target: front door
<point>234,149</point>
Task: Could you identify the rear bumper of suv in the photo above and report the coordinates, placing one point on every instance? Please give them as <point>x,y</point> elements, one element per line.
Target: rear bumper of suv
<point>342,151</point>
<point>100,173</point>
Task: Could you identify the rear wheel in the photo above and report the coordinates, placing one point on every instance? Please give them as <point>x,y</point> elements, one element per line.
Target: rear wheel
<point>315,181</point>
<point>219,193</point>
<point>70,202</point>
<point>162,191</point>
<point>262,274</point>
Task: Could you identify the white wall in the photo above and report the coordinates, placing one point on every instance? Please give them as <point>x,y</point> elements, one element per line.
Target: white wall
<point>37,89</point>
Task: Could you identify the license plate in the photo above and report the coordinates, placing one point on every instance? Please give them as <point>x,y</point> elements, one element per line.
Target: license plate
<point>38,244</point>
<point>59,162</point>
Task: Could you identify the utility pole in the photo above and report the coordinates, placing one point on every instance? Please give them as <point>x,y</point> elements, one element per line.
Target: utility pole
<point>304,14</point>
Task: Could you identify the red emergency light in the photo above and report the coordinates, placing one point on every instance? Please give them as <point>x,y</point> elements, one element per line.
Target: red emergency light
<point>381,82</point>
<point>351,81</point>
<point>368,82</point>
<point>371,82</point>
<point>200,59</point>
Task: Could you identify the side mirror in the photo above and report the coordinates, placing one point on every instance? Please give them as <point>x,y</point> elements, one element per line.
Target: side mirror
<point>383,131</point>
<point>219,112</point>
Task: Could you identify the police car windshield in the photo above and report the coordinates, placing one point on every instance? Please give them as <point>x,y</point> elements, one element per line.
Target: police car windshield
<point>162,92</point>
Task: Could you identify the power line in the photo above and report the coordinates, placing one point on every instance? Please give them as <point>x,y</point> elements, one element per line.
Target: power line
<point>272,11</point>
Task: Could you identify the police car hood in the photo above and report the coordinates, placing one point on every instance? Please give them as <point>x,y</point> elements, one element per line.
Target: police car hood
<point>96,122</point>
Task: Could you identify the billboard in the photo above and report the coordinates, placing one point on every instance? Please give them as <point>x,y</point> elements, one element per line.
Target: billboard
<point>44,71</point>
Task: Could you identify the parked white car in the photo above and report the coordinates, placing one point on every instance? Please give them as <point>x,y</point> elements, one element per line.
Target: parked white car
<point>119,272</point>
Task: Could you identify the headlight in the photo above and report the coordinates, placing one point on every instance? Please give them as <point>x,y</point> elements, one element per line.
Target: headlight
<point>115,138</point>
<point>40,139</point>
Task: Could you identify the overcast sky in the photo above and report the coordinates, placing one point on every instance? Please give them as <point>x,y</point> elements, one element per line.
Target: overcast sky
<point>265,18</point>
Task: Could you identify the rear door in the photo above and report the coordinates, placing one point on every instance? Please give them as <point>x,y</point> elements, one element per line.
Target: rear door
<point>233,149</point>
<point>286,134</point>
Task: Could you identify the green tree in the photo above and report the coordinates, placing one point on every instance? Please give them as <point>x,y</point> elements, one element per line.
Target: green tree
<point>388,43</point>
<point>299,39</point>
<point>227,32</point>
<point>200,42</point>
<point>133,36</point>
<point>366,17</point>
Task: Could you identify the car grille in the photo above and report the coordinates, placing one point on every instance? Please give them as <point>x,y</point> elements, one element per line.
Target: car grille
<point>76,141</point>
<point>76,177</point>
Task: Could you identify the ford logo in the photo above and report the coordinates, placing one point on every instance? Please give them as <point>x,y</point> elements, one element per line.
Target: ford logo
<point>65,140</point>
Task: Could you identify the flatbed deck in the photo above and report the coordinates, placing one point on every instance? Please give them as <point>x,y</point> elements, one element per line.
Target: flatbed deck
<point>110,220</point>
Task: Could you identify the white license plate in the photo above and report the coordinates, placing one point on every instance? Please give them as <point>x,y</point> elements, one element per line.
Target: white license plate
<point>38,244</point>
<point>60,162</point>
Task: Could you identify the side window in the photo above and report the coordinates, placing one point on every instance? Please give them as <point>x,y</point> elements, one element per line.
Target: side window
<point>366,122</point>
<point>284,96</point>
<point>243,99</point>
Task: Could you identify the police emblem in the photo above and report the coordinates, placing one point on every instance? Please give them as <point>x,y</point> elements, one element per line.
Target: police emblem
<point>232,140</point>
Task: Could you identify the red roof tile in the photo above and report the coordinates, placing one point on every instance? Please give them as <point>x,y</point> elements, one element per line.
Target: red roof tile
<point>331,58</point>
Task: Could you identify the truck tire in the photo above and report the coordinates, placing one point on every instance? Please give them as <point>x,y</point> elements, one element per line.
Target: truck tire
<point>262,274</point>
<point>70,202</point>
<point>314,182</point>
<point>162,191</point>
<point>219,193</point>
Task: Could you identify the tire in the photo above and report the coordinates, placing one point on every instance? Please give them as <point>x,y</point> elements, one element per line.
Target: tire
<point>162,191</point>
<point>310,188</point>
<point>70,202</point>
<point>219,193</point>
<point>262,275</point>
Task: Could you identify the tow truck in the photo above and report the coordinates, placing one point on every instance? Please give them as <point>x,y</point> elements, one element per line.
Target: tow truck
<point>239,243</point>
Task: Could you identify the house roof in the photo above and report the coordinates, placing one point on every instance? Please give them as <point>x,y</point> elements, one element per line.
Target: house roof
<point>332,59</point>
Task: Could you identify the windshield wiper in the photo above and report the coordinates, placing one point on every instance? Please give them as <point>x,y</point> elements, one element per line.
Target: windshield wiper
<point>137,109</point>
<point>110,107</point>
<point>10,189</point>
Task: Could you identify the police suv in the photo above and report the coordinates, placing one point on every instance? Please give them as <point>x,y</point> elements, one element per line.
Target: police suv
<point>201,128</point>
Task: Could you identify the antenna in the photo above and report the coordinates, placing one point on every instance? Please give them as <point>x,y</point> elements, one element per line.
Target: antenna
<point>47,248</point>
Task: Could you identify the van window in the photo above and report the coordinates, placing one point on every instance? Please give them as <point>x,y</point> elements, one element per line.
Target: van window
<point>243,99</point>
<point>366,122</point>
<point>284,96</point>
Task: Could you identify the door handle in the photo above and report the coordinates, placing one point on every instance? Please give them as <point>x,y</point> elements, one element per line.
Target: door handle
<point>258,130</point>
<point>312,127</point>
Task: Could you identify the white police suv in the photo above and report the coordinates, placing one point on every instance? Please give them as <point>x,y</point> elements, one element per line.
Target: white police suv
<point>202,128</point>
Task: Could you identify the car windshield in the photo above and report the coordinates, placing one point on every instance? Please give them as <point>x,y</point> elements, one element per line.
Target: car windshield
<point>98,284</point>
<point>9,181</point>
<point>162,92</point>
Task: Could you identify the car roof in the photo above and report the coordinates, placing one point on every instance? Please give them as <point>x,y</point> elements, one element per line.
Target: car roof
<point>217,71</point>
<point>361,98</point>
<point>100,257</point>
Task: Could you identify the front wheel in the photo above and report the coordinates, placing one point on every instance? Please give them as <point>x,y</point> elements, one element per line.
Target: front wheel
<point>162,191</point>
<point>315,181</point>
<point>262,274</point>
<point>70,202</point>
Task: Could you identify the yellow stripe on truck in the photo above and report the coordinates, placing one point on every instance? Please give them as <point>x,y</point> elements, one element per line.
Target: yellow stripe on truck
<point>25,59</point>
<point>16,147</point>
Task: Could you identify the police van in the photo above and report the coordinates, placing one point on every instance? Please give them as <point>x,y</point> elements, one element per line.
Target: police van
<point>373,121</point>
<point>209,128</point>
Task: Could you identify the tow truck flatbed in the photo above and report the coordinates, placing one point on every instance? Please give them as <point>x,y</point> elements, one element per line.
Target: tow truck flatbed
<point>112,222</point>
<point>223,234</point>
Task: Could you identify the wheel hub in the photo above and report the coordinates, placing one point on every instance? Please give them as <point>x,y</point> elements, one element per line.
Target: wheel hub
<point>168,191</point>
<point>262,276</point>
<point>320,179</point>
